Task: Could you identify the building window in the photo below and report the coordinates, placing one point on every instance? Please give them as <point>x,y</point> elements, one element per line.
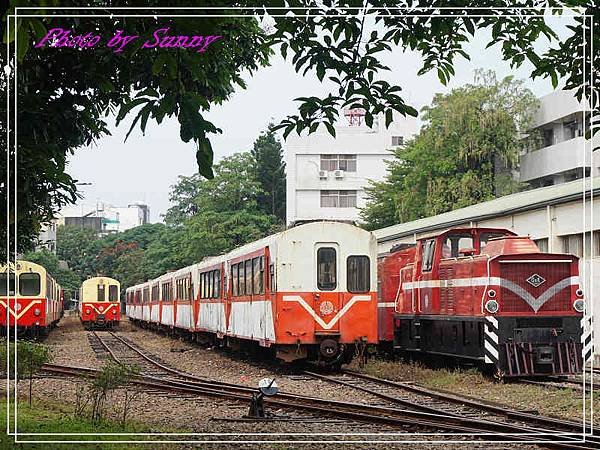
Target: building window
<point>542,244</point>
<point>570,130</point>
<point>572,244</point>
<point>338,199</point>
<point>397,140</point>
<point>548,137</point>
<point>347,163</point>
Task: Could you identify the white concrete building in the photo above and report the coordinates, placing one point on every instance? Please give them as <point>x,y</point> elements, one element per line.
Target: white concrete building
<point>553,216</point>
<point>105,218</point>
<point>563,152</point>
<point>47,238</point>
<point>326,176</point>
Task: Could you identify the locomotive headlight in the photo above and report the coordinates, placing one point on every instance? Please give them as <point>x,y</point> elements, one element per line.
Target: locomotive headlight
<point>492,306</point>
<point>36,312</point>
<point>18,307</point>
<point>87,310</point>
<point>101,308</point>
<point>491,293</point>
<point>578,305</point>
<point>579,292</point>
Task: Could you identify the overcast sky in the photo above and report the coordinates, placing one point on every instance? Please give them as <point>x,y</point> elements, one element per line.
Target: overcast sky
<point>144,167</point>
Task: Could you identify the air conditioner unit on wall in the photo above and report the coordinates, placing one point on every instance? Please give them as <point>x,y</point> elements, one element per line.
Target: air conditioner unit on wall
<point>323,174</point>
<point>338,173</point>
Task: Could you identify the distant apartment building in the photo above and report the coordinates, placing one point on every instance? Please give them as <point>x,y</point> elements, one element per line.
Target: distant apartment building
<point>326,176</point>
<point>47,238</point>
<point>562,154</point>
<point>105,218</point>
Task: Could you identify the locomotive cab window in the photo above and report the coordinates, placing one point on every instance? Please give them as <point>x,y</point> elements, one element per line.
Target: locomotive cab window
<point>113,293</point>
<point>101,293</point>
<point>326,269</point>
<point>29,284</point>
<point>11,283</point>
<point>358,274</point>
<point>454,243</point>
<point>486,236</point>
<point>427,255</point>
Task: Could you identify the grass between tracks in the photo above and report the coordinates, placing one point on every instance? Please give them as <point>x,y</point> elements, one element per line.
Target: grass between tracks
<point>565,403</point>
<point>44,417</point>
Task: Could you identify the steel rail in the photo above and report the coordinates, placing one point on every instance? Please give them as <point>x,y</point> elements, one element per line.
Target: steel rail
<point>354,411</point>
<point>208,387</point>
<point>488,407</point>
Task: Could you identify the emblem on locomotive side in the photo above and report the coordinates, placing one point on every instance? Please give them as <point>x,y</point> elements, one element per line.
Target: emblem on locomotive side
<point>326,308</point>
<point>536,280</point>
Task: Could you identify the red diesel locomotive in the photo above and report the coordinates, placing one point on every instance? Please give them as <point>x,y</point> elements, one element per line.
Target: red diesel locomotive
<point>487,295</point>
<point>30,297</point>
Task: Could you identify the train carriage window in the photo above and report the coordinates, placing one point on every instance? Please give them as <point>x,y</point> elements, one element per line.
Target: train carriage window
<point>241,279</point>
<point>217,284</point>
<point>145,294</point>
<point>101,293</point>
<point>261,281</point>
<point>3,283</point>
<point>209,290</point>
<point>358,274</point>
<point>326,269</point>
<point>234,280</point>
<point>257,275</point>
<point>113,293</point>
<point>427,255</point>
<point>29,284</point>
<point>154,293</point>
<point>248,265</point>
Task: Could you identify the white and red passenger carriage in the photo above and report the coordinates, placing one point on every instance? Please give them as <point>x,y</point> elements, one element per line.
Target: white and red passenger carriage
<point>307,292</point>
<point>487,295</point>
<point>29,298</point>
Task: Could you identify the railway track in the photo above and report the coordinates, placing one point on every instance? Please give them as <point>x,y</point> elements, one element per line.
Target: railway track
<point>404,404</point>
<point>440,403</point>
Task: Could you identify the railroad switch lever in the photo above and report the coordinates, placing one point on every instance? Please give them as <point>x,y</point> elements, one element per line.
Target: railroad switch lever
<point>266,387</point>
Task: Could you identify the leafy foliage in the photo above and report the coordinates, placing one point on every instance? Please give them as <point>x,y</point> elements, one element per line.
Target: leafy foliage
<point>65,277</point>
<point>269,170</point>
<point>226,210</point>
<point>64,97</point>
<point>470,136</point>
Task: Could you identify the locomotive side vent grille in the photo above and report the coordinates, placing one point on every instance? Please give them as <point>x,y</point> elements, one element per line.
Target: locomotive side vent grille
<point>447,292</point>
<point>521,274</point>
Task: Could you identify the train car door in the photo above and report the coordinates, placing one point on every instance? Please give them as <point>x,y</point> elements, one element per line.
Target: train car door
<point>425,277</point>
<point>327,298</point>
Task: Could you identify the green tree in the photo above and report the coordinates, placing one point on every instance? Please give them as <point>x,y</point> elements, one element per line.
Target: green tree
<point>269,170</point>
<point>470,136</point>
<point>79,247</point>
<point>219,214</point>
<point>65,277</point>
<point>64,95</point>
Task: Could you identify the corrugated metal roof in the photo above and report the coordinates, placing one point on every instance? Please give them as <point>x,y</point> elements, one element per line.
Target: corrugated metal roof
<point>509,204</point>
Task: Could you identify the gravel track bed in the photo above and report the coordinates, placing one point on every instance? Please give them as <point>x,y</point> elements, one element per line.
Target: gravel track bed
<point>164,412</point>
